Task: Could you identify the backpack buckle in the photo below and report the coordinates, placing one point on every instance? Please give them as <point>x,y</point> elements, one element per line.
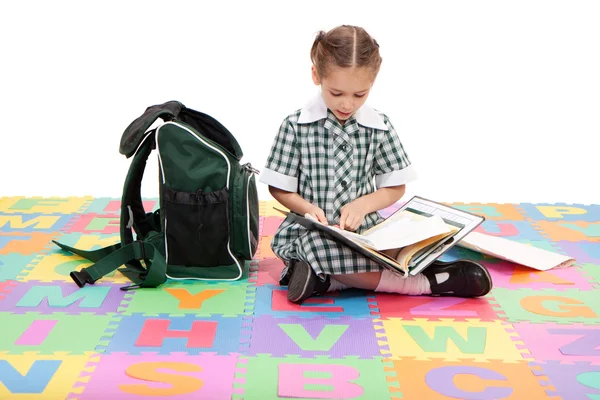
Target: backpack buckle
<point>82,277</point>
<point>139,252</point>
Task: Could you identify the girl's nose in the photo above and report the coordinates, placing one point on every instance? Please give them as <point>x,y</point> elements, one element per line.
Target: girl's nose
<point>346,105</point>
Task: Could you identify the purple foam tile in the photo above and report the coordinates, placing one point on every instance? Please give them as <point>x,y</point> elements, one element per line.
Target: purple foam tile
<point>576,381</point>
<point>309,337</point>
<point>583,252</point>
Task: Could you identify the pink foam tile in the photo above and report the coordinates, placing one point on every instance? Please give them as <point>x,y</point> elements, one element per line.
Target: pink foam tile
<point>176,376</point>
<point>565,343</point>
<point>269,271</point>
<point>513,276</point>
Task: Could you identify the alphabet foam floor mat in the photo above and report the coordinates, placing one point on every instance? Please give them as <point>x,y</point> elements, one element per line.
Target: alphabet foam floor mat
<point>536,335</point>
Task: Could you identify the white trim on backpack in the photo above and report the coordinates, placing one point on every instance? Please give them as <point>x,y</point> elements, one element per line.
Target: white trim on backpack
<point>249,234</point>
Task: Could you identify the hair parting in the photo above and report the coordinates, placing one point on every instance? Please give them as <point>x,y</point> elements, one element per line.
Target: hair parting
<point>345,46</point>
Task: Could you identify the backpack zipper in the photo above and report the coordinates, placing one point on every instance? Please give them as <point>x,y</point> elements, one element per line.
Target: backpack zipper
<point>249,167</point>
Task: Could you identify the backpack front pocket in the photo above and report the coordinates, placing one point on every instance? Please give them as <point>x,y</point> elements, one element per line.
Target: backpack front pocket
<point>197,227</point>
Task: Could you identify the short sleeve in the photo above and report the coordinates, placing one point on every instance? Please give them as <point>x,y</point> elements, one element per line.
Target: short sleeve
<point>281,169</point>
<point>392,165</point>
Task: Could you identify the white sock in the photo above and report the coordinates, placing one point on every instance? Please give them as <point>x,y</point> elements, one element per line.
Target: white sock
<point>335,285</point>
<point>391,282</point>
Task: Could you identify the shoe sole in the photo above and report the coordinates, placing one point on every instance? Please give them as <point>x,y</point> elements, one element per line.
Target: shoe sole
<point>301,287</point>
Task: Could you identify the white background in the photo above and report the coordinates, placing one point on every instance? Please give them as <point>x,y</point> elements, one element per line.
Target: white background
<point>495,101</point>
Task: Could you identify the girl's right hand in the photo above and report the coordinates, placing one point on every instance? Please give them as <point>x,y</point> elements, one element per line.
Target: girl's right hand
<point>318,214</point>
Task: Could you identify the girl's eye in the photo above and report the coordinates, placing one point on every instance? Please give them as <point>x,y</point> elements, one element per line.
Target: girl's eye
<point>359,95</point>
<point>336,94</point>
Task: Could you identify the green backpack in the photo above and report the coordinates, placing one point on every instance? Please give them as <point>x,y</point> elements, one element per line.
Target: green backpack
<point>206,225</point>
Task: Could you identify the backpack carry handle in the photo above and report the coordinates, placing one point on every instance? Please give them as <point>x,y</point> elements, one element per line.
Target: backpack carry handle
<point>136,131</point>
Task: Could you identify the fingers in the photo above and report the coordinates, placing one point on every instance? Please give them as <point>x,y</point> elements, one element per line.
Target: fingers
<point>322,219</point>
<point>349,221</point>
<point>320,216</point>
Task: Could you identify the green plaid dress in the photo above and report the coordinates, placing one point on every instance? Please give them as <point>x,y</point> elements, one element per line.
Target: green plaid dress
<point>330,165</point>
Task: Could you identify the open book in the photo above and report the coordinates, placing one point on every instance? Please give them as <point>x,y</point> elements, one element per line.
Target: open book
<point>408,240</point>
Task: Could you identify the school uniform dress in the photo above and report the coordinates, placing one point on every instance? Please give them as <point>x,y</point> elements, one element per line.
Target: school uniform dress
<point>330,165</point>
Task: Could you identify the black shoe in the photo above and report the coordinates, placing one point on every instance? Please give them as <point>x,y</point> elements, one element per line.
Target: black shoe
<point>467,278</point>
<point>304,283</point>
<point>286,273</point>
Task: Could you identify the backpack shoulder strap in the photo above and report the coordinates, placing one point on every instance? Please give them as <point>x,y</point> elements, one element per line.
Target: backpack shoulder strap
<point>128,252</point>
<point>133,214</point>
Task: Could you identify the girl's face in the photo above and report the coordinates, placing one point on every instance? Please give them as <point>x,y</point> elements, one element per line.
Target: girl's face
<point>345,90</point>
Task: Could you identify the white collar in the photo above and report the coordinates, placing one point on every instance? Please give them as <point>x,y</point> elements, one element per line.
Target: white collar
<point>316,109</point>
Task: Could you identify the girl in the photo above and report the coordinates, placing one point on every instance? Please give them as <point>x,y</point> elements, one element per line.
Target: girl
<point>341,161</point>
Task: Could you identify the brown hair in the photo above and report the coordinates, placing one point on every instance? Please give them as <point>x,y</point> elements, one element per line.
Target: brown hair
<point>345,46</point>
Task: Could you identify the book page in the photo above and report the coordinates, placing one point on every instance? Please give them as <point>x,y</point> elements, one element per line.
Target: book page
<point>516,252</point>
<point>406,255</point>
<point>406,229</point>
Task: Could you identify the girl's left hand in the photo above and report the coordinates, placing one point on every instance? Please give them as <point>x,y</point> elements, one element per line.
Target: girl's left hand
<point>352,215</point>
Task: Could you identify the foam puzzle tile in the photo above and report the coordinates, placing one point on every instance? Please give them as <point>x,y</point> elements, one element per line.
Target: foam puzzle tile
<point>44,205</point>
<point>566,306</point>
<point>567,343</point>
<point>199,299</point>
<point>25,243</point>
<point>491,211</point>
<point>93,223</point>
<point>268,271</point>
<point>56,297</point>
<point>466,379</point>
<point>11,265</point>
<point>6,287</point>
<point>266,209</point>
<point>513,276</point>
<point>34,222</point>
<point>313,378</point>
<point>32,375</point>
<point>561,212</point>
<point>450,340</point>
<point>510,229</point>
<point>176,376</point>
<point>83,241</point>
<point>108,205</point>
<point>51,333</point>
<point>593,271</point>
<point>165,334</point>
<point>264,249</point>
<point>270,225</point>
<point>272,300</point>
<point>310,337</point>
<point>56,267</point>
<point>388,305</point>
<point>584,252</point>
<point>575,231</point>
<point>541,244</point>
<point>574,381</point>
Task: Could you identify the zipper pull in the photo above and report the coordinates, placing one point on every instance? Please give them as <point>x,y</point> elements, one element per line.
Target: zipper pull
<point>249,167</point>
